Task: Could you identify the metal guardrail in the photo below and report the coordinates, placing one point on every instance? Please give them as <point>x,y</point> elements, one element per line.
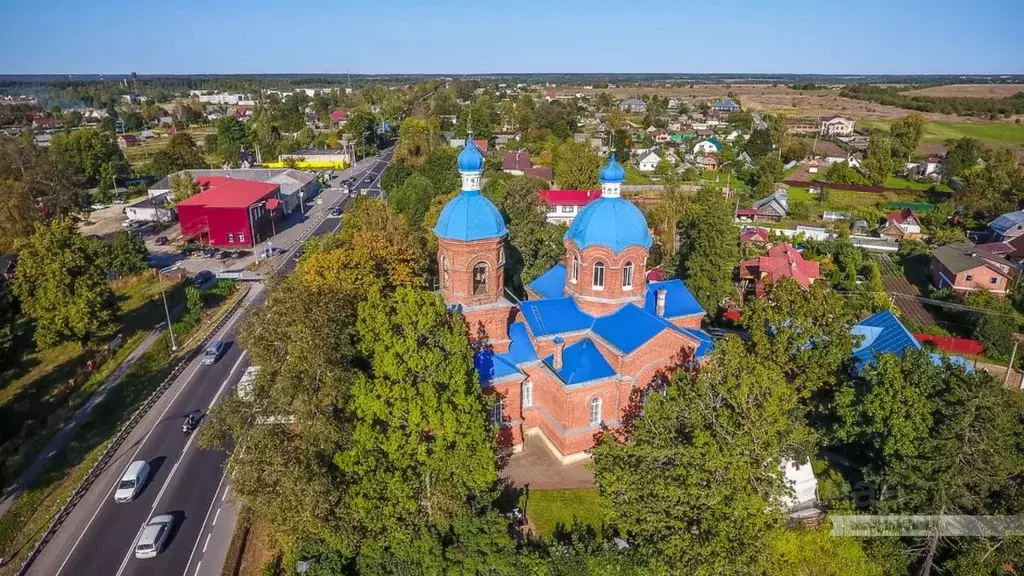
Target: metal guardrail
<point>76,496</point>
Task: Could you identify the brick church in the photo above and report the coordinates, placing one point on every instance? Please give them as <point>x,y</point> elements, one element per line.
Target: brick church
<point>594,334</point>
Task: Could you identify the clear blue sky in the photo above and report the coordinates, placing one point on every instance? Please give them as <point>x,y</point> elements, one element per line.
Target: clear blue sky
<point>448,36</point>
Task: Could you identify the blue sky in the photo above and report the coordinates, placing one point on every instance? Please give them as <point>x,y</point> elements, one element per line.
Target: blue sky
<point>448,36</point>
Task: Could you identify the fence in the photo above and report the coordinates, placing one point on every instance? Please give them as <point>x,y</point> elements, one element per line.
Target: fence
<point>119,438</point>
<point>849,187</point>
<point>952,345</point>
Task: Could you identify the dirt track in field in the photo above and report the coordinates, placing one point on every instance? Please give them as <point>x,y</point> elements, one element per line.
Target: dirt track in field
<point>969,91</point>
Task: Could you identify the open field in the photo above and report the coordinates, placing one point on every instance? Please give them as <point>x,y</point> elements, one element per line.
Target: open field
<point>139,155</point>
<point>969,91</point>
<point>776,99</point>
<point>992,133</point>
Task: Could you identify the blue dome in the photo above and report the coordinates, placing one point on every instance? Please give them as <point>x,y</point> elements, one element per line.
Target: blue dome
<point>470,159</point>
<point>470,216</point>
<point>612,171</point>
<point>614,223</point>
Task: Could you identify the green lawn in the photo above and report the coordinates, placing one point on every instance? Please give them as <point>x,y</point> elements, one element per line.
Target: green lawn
<point>797,193</point>
<point>547,509</point>
<point>993,133</point>
<point>894,182</point>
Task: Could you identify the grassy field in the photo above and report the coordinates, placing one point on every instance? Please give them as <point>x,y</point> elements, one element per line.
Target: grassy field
<point>143,153</point>
<point>894,182</point>
<point>547,509</point>
<point>992,133</point>
<point>26,520</point>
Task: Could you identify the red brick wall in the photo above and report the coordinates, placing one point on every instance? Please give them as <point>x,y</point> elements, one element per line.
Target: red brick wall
<point>461,257</point>
<point>613,296</point>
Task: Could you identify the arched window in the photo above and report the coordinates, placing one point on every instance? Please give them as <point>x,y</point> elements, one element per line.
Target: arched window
<point>527,394</point>
<point>595,412</point>
<point>599,276</point>
<point>627,276</point>
<point>575,269</point>
<point>480,279</point>
<point>444,271</point>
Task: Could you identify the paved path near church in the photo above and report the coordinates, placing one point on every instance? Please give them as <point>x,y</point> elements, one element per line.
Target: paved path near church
<point>536,467</point>
<point>55,443</point>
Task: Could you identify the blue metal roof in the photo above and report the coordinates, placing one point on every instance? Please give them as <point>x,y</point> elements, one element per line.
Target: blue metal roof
<point>521,349</point>
<point>550,284</point>
<point>612,172</point>
<point>614,223</point>
<point>493,367</point>
<point>581,362</point>
<point>470,216</point>
<point>678,300</point>
<point>1007,222</point>
<point>707,343</point>
<point>882,333</point>
<point>629,327</point>
<point>554,316</point>
<point>470,159</point>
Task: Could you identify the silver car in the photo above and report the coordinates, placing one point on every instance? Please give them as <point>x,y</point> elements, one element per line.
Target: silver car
<point>213,352</point>
<point>154,536</point>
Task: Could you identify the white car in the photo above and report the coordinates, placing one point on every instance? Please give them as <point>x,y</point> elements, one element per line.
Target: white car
<point>132,481</point>
<point>154,536</point>
<point>97,206</point>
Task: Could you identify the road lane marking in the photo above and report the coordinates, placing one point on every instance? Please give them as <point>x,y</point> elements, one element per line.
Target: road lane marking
<point>215,516</point>
<point>197,567</point>
<point>142,445</point>
<point>174,469</point>
<point>207,543</point>
<point>225,496</point>
<point>190,556</point>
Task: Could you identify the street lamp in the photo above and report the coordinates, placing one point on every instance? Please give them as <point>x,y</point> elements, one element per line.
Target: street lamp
<point>167,310</point>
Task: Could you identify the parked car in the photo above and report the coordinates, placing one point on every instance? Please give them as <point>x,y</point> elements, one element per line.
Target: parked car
<point>209,252</point>
<point>132,481</point>
<point>214,350</point>
<point>154,536</point>
<point>161,241</point>
<point>202,277</point>
<point>132,224</point>
<point>97,206</point>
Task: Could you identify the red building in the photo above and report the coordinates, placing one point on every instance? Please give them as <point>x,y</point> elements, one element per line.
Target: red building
<point>781,261</point>
<point>230,212</point>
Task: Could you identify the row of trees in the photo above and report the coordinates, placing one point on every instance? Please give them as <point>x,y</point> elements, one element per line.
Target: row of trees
<point>895,96</point>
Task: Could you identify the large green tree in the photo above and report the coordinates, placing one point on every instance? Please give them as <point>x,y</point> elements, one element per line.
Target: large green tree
<point>804,331</point>
<point>695,485</point>
<point>708,248</point>
<point>413,198</point>
<point>62,286</point>
<point>126,254</point>
<point>906,135</point>
<point>421,448</point>
<point>232,137</point>
<point>879,163</point>
<point>181,153</point>
<point>92,154</point>
<point>576,165</point>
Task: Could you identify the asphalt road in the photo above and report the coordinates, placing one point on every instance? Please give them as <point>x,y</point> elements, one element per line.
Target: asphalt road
<point>184,481</point>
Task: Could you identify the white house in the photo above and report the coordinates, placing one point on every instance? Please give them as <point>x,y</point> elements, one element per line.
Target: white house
<point>150,209</point>
<point>705,147</point>
<point>564,205</point>
<point>732,136</point>
<point>850,159</point>
<point>649,162</point>
<point>801,480</point>
<point>837,126</point>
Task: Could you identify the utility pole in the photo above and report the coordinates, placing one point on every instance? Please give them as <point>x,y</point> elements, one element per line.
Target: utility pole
<point>167,310</point>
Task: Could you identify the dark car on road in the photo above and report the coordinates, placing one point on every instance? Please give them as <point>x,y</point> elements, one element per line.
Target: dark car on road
<point>161,241</point>
<point>202,277</point>
<point>214,351</point>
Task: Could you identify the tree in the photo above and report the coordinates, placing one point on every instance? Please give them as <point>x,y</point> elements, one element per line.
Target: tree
<point>416,139</point>
<point>421,448</point>
<point>232,137</point>
<point>181,153</point>
<point>843,173</point>
<point>804,330</point>
<point>413,198</point>
<point>817,552</point>
<point>695,485</point>
<point>906,135</point>
<point>394,176</point>
<point>126,255</point>
<point>440,167</point>
<point>576,166</point>
<point>760,144</point>
<point>879,163</point>
<point>533,245</point>
<point>183,187</point>
<point>995,327</point>
<point>62,286</point>
<point>708,249</point>
<point>795,151</point>
<point>769,171</point>
<point>34,188</point>
<point>10,310</point>
<point>963,153</point>
<point>92,154</point>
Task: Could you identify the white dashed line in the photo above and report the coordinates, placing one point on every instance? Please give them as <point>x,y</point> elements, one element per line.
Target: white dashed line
<point>207,543</point>
<point>215,516</point>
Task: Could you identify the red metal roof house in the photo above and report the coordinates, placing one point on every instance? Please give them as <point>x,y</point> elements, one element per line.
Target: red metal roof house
<point>564,205</point>
<point>781,261</point>
<point>230,212</point>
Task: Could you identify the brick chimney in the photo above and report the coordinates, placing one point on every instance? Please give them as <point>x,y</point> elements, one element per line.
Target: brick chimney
<point>660,296</point>
<point>559,346</point>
